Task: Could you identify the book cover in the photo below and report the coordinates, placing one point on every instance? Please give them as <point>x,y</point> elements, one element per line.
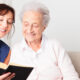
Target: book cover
<point>22,72</point>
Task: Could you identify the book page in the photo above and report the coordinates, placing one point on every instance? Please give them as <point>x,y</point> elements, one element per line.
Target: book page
<point>14,64</point>
<point>3,66</point>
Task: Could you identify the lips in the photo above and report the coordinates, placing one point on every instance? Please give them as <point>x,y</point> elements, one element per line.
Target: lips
<point>31,35</point>
<point>2,30</point>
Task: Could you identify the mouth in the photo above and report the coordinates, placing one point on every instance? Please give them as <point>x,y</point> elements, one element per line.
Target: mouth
<point>3,30</point>
<point>31,34</point>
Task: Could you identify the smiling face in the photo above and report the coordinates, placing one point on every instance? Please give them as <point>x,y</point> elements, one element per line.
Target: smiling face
<point>32,25</point>
<point>6,22</point>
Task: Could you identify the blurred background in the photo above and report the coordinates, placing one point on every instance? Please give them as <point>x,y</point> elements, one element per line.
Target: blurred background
<point>64,24</point>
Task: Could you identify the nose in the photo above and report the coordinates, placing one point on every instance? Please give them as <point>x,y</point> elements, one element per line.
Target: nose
<point>5,24</point>
<point>30,29</point>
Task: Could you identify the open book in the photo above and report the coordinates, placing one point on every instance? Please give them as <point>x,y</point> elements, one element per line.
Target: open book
<point>21,72</point>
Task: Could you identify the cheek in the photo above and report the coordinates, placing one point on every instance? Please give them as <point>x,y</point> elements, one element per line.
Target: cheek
<point>0,24</point>
<point>9,29</point>
<point>40,30</point>
<point>24,30</point>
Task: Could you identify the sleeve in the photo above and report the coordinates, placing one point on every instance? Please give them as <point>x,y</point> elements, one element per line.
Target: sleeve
<point>7,58</point>
<point>4,52</point>
<point>66,67</point>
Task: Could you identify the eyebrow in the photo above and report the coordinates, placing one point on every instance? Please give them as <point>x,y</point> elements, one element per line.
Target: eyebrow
<point>1,16</point>
<point>10,18</point>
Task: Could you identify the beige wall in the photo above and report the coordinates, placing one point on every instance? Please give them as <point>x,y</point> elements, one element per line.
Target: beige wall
<point>75,57</point>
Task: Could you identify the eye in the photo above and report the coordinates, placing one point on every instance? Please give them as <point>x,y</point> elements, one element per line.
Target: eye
<point>1,19</point>
<point>35,25</point>
<point>10,21</point>
<point>26,24</point>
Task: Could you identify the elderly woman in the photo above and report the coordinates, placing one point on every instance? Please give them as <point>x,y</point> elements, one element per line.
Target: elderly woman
<point>7,18</point>
<point>48,57</point>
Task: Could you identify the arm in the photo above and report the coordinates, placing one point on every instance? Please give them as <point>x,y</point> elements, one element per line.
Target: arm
<point>7,76</point>
<point>66,66</point>
<point>7,58</point>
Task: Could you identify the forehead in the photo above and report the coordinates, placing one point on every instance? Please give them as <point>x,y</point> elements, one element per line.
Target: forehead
<point>33,15</point>
<point>9,14</point>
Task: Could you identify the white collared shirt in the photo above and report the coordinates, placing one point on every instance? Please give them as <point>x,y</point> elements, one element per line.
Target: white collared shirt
<point>50,62</point>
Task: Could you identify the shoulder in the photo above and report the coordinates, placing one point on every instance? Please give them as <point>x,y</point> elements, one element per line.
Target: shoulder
<point>53,42</point>
<point>4,46</point>
<point>17,46</point>
<point>16,51</point>
<point>4,50</point>
<point>56,46</point>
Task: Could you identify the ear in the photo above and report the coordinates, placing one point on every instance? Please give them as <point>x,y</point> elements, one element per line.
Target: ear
<point>44,28</point>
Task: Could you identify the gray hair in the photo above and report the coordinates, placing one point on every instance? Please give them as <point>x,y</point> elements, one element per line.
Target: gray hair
<point>37,7</point>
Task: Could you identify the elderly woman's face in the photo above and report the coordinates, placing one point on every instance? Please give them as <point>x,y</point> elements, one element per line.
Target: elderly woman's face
<point>5,23</point>
<point>32,25</point>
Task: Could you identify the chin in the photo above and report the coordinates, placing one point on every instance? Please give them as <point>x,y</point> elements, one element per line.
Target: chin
<point>1,36</point>
<point>30,40</point>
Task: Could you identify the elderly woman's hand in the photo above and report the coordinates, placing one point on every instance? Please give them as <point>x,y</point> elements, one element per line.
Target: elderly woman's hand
<point>7,76</point>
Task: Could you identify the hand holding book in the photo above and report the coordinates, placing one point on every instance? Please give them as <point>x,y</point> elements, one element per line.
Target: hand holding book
<point>7,76</point>
<point>21,72</point>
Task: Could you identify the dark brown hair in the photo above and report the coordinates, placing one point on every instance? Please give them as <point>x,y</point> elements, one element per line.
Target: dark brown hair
<point>4,9</point>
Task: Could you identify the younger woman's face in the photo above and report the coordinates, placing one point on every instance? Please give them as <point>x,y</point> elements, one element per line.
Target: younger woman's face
<point>6,22</point>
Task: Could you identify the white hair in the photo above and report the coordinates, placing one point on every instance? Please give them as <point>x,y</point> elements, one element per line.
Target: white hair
<point>36,6</point>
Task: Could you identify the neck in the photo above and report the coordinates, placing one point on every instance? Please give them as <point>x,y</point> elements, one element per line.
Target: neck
<point>35,45</point>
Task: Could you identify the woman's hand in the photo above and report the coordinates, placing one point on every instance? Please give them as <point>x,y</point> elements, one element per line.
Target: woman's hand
<point>7,76</point>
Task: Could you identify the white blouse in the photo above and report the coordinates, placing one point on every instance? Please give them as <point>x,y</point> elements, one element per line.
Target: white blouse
<point>50,62</point>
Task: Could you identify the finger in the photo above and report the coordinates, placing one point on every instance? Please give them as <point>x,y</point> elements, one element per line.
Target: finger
<point>4,76</point>
<point>10,77</point>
